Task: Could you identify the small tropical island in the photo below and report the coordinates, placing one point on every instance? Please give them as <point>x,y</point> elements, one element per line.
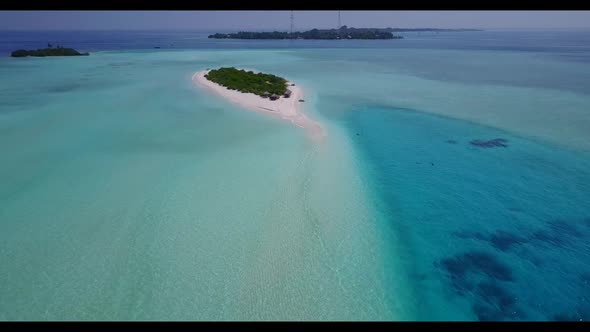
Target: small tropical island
<point>261,84</point>
<point>49,51</point>
<point>343,32</point>
<point>261,92</point>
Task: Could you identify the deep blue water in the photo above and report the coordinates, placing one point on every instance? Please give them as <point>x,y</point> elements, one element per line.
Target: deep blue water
<point>502,228</point>
<point>569,44</point>
<point>564,45</point>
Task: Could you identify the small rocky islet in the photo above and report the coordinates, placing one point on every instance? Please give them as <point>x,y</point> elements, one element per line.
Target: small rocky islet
<point>49,51</point>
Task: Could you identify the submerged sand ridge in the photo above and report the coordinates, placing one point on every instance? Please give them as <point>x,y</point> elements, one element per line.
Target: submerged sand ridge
<point>285,108</point>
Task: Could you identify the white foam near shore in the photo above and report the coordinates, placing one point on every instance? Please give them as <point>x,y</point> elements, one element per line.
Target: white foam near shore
<point>289,109</point>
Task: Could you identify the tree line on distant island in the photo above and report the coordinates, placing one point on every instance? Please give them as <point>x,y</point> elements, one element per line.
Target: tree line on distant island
<point>49,51</point>
<point>343,33</point>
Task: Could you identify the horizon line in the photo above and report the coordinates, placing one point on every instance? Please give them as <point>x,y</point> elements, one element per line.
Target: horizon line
<point>283,28</point>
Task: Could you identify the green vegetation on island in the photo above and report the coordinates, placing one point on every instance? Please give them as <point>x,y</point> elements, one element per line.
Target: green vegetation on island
<point>49,51</point>
<point>261,84</point>
<point>343,33</point>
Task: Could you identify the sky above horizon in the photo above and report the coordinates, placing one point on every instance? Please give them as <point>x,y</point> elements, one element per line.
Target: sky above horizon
<point>233,20</point>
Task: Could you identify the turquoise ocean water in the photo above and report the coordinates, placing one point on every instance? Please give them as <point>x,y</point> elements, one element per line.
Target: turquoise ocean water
<point>128,193</point>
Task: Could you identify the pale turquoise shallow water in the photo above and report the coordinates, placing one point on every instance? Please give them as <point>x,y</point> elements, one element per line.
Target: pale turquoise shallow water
<point>130,194</point>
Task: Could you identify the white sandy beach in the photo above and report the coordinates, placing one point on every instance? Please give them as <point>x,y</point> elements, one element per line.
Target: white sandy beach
<point>286,108</point>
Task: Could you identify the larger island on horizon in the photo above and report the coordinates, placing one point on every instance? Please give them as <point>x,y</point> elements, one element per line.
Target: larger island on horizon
<point>343,32</point>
